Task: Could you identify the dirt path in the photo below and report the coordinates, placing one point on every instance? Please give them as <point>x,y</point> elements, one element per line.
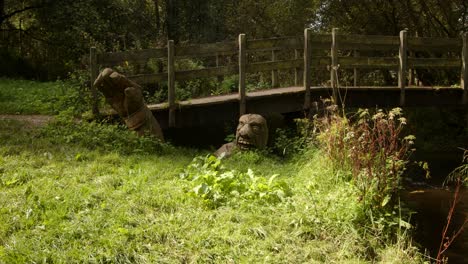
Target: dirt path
<point>30,121</point>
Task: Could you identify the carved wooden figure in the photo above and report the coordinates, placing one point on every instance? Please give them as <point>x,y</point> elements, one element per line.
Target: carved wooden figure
<point>251,133</point>
<point>126,98</point>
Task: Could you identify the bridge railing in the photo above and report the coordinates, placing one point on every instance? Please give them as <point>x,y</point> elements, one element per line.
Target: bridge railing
<point>333,52</point>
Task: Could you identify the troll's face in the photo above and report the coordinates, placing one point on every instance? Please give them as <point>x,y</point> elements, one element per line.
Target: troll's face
<point>252,132</point>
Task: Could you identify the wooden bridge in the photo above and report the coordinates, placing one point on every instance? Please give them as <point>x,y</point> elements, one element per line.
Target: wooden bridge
<point>320,58</point>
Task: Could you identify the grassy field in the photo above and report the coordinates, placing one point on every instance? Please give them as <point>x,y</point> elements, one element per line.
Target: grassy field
<point>31,97</point>
<point>79,192</point>
<point>80,202</point>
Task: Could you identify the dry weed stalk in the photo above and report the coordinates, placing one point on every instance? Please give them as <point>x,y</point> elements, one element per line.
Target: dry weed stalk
<point>460,176</point>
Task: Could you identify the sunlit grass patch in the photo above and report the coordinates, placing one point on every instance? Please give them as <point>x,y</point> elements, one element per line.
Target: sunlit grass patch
<point>31,97</point>
<point>73,202</point>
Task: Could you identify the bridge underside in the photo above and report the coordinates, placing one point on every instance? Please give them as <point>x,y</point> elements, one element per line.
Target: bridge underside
<point>209,111</point>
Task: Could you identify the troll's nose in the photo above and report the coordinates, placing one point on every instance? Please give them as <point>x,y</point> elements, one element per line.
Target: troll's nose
<point>245,131</point>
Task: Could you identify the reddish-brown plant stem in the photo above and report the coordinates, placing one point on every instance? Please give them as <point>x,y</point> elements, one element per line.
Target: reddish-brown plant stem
<point>446,241</point>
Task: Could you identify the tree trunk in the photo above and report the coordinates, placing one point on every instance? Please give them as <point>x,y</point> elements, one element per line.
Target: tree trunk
<point>158,16</point>
<point>2,11</point>
<point>172,30</point>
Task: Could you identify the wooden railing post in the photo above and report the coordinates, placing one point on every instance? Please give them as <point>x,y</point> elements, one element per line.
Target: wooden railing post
<point>242,66</point>
<point>464,80</point>
<point>171,82</point>
<point>219,78</point>
<point>94,72</point>
<point>297,71</point>
<point>411,72</point>
<point>356,73</point>
<point>403,56</point>
<point>274,73</point>
<point>334,66</point>
<point>307,67</point>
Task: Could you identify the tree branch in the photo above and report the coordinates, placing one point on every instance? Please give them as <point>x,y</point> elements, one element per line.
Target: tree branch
<point>7,16</point>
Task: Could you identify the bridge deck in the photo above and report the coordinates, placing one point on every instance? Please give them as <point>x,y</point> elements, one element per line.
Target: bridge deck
<point>206,111</point>
<point>319,90</point>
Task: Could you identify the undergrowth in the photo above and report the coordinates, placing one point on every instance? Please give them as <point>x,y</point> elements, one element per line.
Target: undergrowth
<point>90,192</point>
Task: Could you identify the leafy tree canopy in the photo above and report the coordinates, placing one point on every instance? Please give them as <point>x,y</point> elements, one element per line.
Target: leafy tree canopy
<point>51,36</point>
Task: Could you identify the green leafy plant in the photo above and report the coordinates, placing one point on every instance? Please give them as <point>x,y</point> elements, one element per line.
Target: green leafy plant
<point>217,186</point>
<point>289,142</point>
<point>228,85</point>
<point>196,87</point>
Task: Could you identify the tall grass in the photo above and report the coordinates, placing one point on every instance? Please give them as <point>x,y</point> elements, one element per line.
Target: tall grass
<point>89,192</point>
<point>66,200</point>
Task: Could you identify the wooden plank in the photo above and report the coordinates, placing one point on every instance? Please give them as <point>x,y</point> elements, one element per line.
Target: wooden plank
<point>402,65</point>
<point>433,62</point>
<point>113,58</point>
<point>436,44</point>
<point>320,46</point>
<point>411,71</point>
<point>367,47</point>
<point>209,49</point>
<point>220,76</point>
<point>171,82</point>
<point>273,65</point>
<point>297,70</point>
<point>334,66</point>
<point>274,73</point>
<point>275,92</point>
<point>368,62</point>
<point>320,61</point>
<point>355,70</point>
<point>368,42</point>
<point>464,73</point>
<point>149,78</point>
<point>453,93</point>
<point>275,44</point>
<point>211,100</point>
<point>320,41</point>
<point>242,71</point>
<point>94,72</point>
<point>307,66</point>
<point>321,38</point>
<point>184,75</point>
<point>206,73</point>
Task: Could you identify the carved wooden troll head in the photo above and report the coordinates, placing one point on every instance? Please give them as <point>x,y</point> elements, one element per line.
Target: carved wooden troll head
<point>126,98</point>
<point>252,132</point>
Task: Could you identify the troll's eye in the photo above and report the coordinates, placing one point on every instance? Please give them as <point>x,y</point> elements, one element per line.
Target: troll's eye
<point>255,127</point>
